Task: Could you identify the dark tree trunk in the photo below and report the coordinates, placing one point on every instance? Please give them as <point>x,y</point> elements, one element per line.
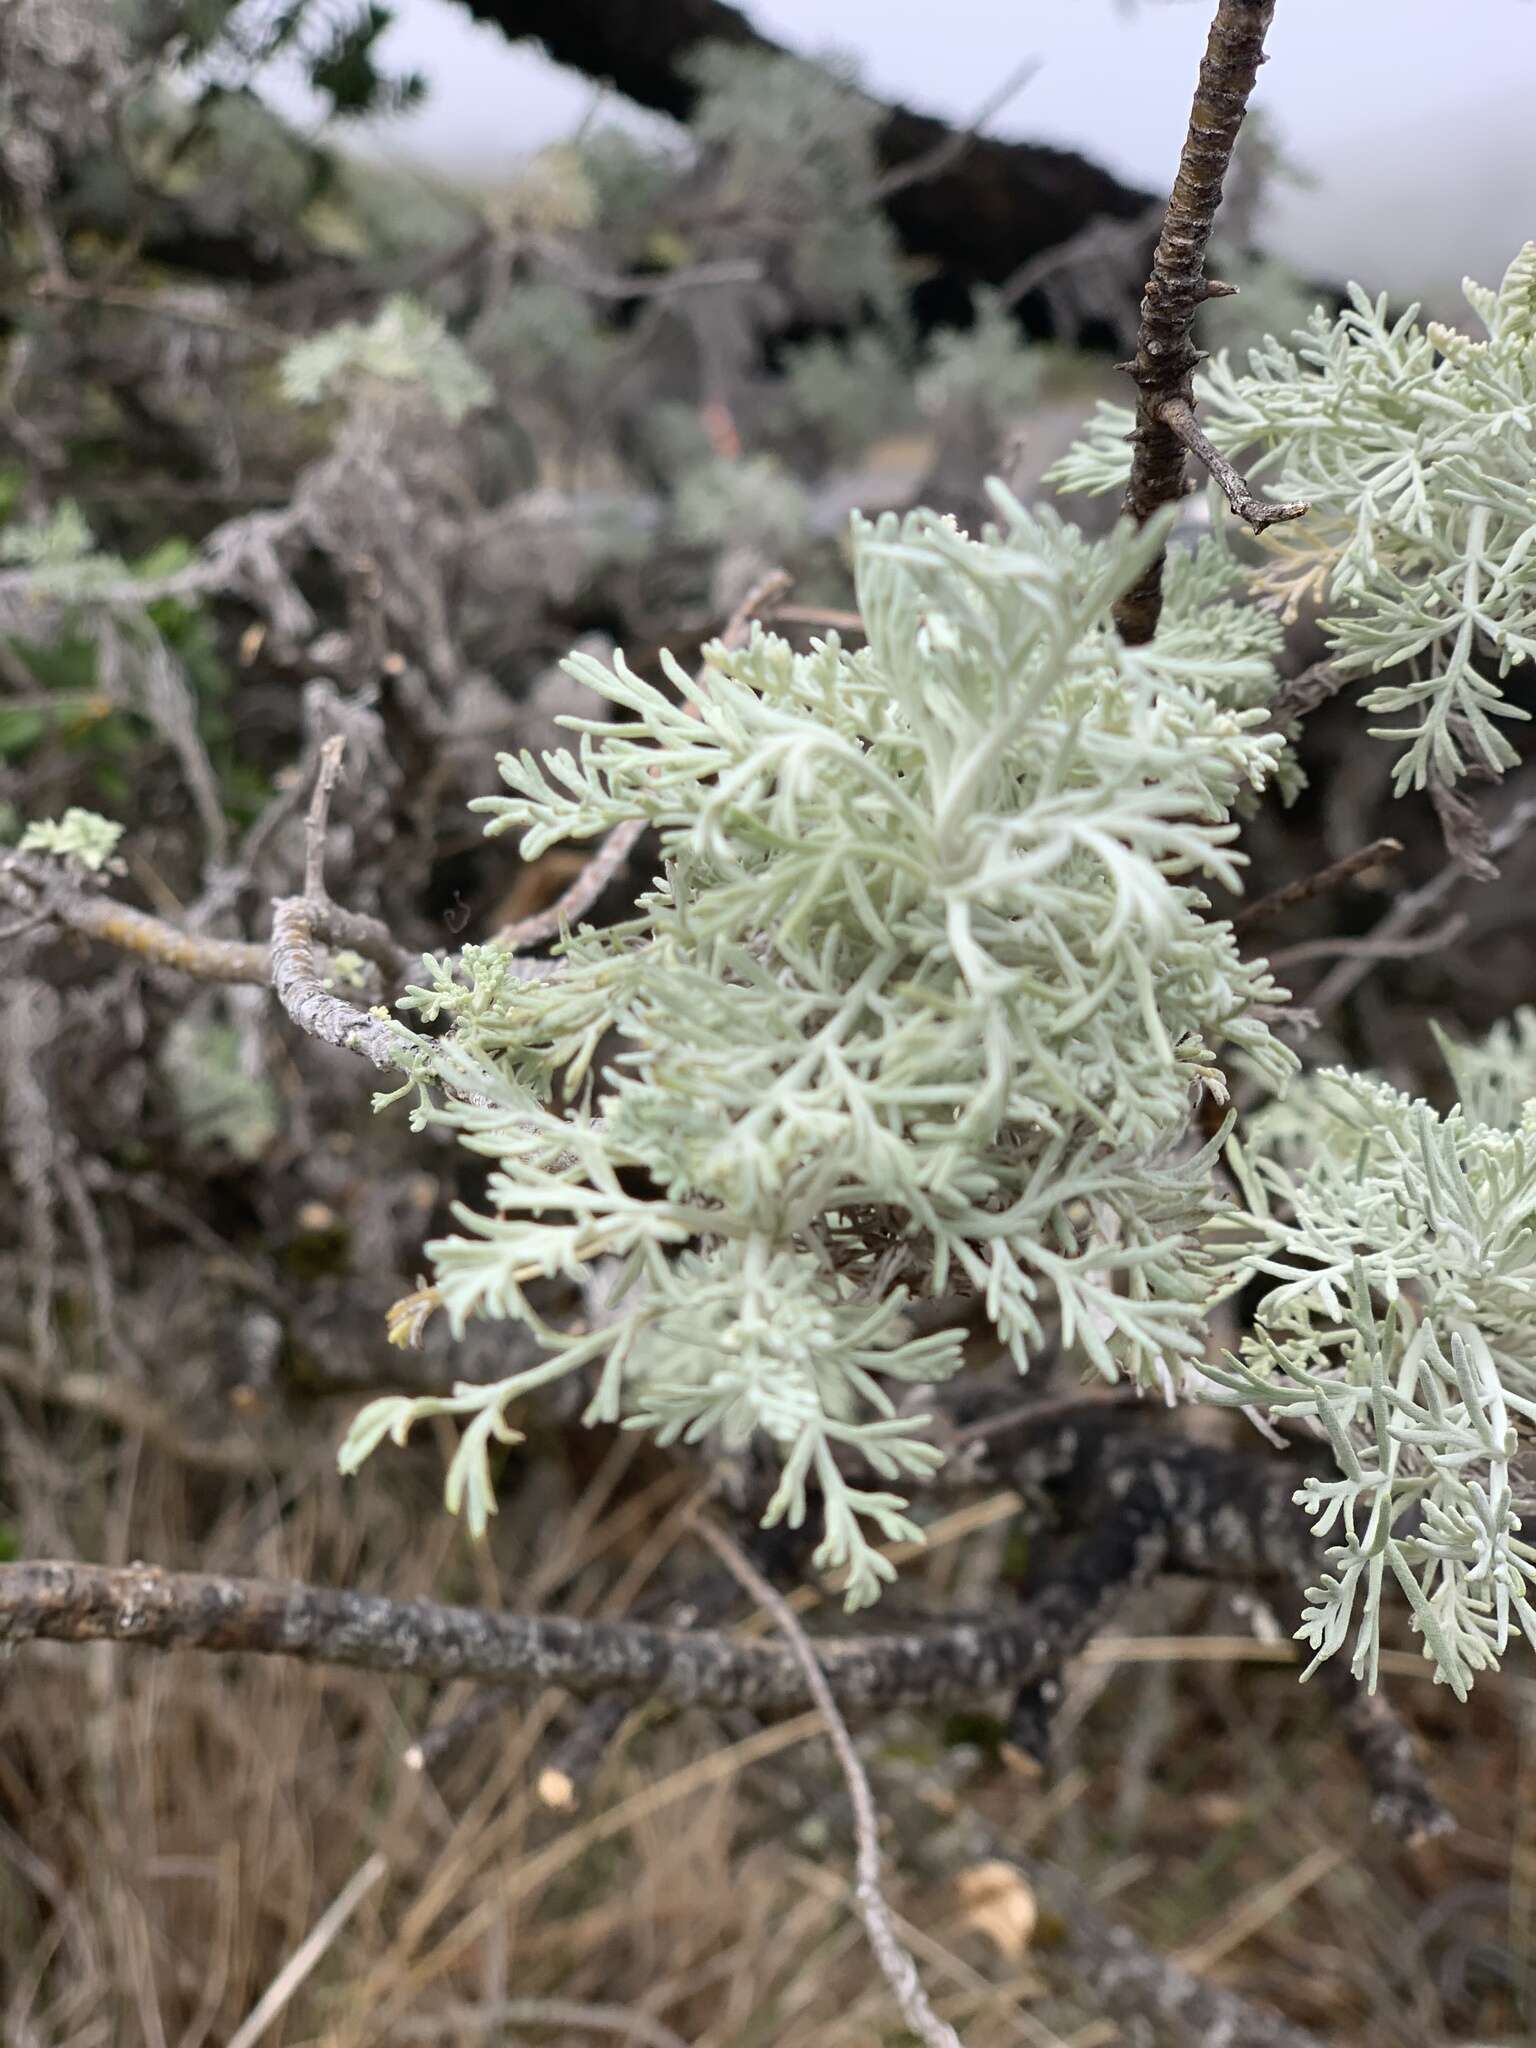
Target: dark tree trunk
<point>989,208</point>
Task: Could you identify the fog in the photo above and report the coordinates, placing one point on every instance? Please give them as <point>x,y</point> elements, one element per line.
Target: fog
<point>1414,118</point>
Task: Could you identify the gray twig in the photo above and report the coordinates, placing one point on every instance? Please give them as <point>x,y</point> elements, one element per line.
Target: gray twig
<point>1417,947</point>
<point>1178,415</point>
<point>575,901</point>
<point>60,897</point>
<point>896,1964</point>
<point>1303,693</point>
<point>951,148</point>
<point>1149,1500</point>
<point>1409,912</point>
<point>318,815</point>
<point>311,1005</point>
<point>74,1602</point>
<point>31,1011</point>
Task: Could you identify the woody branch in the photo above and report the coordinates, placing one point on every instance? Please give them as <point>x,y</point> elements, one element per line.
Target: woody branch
<point>1164,364</point>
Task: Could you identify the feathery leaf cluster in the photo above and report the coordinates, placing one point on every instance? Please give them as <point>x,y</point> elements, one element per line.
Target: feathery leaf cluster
<point>404,343</point>
<point>920,1005</point>
<point>1415,447</point>
<point>1403,1326</point>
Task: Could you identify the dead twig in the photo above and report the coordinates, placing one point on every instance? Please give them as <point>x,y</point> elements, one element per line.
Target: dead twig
<point>946,153</point>
<point>575,901</point>
<point>154,940</point>
<point>303,994</point>
<point>435,1743</point>
<point>760,599</point>
<point>564,1779</point>
<point>827,617</point>
<point>74,1602</point>
<point>1178,415</point>
<point>318,816</point>
<point>296,921</point>
<point>1165,351</point>
<point>896,1964</point>
<point>1103,242</point>
<point>1409,912</point>
<point>1319,884</point>
<point>30,1012</point>
<point>308,1953</point>
<point>53,895</point>
<point>1435,940</point>
<point>1302,694</point>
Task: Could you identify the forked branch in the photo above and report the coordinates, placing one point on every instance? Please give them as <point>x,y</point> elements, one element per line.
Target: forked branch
<point>1178,415</point>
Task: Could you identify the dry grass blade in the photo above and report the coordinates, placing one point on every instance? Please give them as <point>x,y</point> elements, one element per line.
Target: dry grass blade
<point>617,2020</point>
<point>1253,1913</point>
<point>308,1954</point>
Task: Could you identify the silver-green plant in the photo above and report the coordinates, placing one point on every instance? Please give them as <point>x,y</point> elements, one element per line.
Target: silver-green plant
<point>404,343</point>
<point>1415,446</point>
<point>79,835</point>
<point>926,993</point>
<point>1402,1325</point>
<point>921,1004</point>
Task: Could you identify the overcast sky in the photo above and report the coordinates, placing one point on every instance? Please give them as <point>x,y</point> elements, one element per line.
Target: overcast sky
<point>1417,118</point>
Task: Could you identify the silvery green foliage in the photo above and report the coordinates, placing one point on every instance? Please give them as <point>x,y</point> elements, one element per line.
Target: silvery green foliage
<point>538,331</point>
<point>1497,1077</point>
<point>404,343</point>
<point>79,835</point>
<point>1221,644</point>
<point>753,500</point>
<point>797,145</point>
<point>60,554</point>
<point>1415,447</point>
<point>987,364</point>
<point>1401,1322</point>
<point>920,1004</point>
<point>849,392</point>
<point>219,1101</point>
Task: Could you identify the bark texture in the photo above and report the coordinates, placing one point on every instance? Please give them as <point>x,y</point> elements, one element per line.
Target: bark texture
<point>195,1610</point>
<point>297,984</point>
<point>1165,351</point>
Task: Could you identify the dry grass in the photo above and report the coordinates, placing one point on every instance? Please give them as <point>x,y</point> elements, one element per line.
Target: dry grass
<point>173,1831</point>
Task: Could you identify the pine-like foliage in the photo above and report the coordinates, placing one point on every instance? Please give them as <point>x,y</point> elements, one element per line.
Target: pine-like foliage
<point>1415,447</point>
<point>920,1004</point>
<point>1402,1324</point>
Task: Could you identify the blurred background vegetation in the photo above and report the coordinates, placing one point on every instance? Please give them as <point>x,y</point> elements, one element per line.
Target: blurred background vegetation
<point>294,440</point>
